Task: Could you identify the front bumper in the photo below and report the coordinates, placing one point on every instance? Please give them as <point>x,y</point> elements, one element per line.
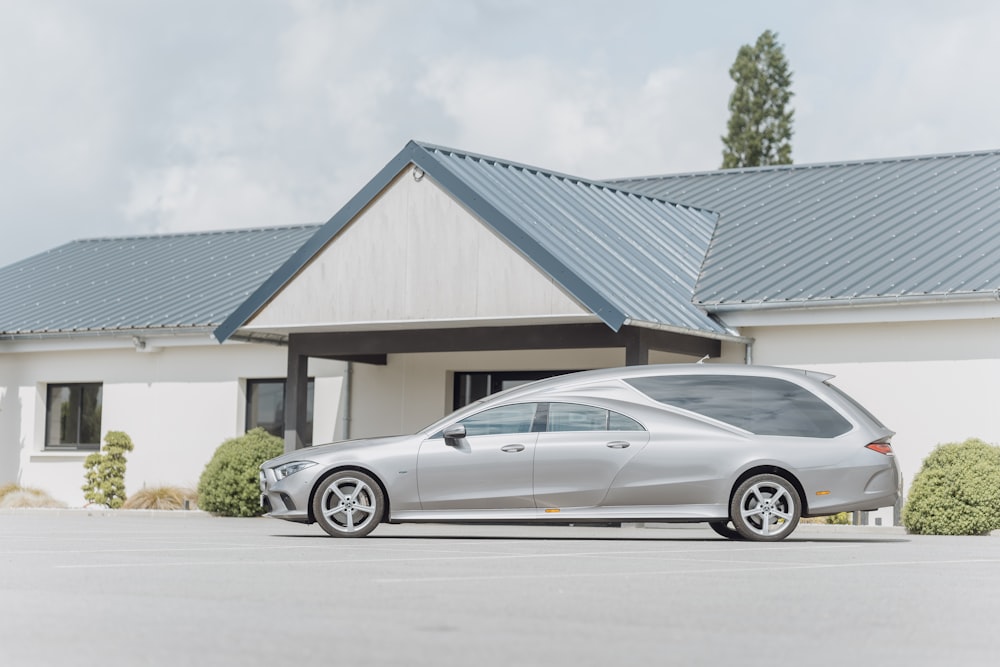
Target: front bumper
<point>283,500</point>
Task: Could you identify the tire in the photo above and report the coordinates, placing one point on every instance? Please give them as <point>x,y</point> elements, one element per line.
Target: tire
<point>348,504</point>
<point>724,529</point>
<point>765,508</point>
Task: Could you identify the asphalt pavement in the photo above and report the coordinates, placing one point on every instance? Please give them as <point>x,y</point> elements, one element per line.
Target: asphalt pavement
<point>88,588</point>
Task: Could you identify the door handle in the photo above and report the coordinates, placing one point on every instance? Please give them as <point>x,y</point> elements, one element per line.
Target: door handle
<point>512,448</point>
<point>618,444</point>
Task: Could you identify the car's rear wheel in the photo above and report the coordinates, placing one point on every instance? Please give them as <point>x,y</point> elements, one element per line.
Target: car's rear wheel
<point>726,530</point>
<point>348,504</point>
<point>765,508</point>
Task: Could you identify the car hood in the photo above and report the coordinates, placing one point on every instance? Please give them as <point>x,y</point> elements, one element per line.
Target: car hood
<point>320,453</point>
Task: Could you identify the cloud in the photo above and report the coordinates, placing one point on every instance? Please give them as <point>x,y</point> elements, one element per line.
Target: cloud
<point>173,115</point>
<point>904,83</point>
<point>583,121</point>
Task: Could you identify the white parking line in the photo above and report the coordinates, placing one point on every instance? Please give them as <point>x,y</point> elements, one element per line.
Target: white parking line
<point>434,556</point>
<point>783,567</point>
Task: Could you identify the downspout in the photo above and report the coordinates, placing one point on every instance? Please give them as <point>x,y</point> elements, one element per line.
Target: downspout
<point>345,401</point>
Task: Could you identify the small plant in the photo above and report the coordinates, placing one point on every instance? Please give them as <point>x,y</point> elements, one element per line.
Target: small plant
<point>162,498</point>
<point>15,496</point>
<point>105,471</point>
<point>230,484</point>
<point>839,519</point>
<point>956,491</point>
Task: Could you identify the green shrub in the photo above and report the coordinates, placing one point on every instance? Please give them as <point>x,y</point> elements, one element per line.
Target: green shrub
<point>839,519</point>
<point>956,491</point>
<point>105,471</point>
<point>230,483</point>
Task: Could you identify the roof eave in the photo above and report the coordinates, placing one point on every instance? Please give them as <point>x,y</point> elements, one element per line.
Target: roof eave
<point>852,302</point>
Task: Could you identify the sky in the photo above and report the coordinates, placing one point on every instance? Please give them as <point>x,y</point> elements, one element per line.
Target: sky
<point>135,117</point>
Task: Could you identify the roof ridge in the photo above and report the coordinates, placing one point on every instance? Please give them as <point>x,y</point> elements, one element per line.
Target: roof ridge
<point>191,234</point>
<point>809,165</point>
<point>607,185</point>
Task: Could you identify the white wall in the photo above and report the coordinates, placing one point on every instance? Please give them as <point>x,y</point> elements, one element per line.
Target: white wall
<point>931,382</point>
<point>177,404</point>
<point>414,390</point>
<point>415,255</point>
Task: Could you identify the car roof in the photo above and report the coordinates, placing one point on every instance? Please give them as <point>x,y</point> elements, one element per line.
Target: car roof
<point>584,378</point>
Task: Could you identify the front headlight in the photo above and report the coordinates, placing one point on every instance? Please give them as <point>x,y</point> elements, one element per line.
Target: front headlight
<point>283,471</point>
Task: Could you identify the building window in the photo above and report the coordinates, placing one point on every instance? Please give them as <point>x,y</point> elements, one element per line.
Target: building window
<point>266,408</point>
<point>470,387</point>
<point>73,416</point>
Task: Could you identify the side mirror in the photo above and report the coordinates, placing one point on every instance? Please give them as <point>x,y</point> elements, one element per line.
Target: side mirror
<point>453,434</point>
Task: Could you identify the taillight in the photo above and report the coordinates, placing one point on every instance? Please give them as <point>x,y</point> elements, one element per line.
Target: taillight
<point>880,447</point>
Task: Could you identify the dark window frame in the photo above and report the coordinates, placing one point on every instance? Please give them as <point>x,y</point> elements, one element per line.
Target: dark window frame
<point>493,381</point>
<point>79,419</point>
<point>250,419</point>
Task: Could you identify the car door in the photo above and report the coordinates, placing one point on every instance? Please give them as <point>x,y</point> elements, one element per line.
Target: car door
<point>580,452</point>
<point>490,468</point>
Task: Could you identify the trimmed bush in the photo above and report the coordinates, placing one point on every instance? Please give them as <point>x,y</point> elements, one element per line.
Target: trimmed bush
<point>105,471</point>
<point>839,519</point>
<point>230,483</point>
<point>161,498</point>
<point>956,491</point>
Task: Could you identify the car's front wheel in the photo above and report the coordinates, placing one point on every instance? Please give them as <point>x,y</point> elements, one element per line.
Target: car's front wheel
<point>765,508</point>
<point>348,504</point>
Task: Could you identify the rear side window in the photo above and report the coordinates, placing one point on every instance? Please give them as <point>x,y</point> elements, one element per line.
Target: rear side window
<point>761,405</point>
<point>573,417</point>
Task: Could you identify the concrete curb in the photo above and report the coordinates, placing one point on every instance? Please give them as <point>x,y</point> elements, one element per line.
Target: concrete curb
<point>803,528</point>
<point>102,512</point>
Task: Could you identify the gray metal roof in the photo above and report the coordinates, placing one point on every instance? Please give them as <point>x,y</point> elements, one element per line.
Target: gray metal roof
<point>641,253</point>
<point>910,228</point>
<point>626,257</point>
<point>173,281</point>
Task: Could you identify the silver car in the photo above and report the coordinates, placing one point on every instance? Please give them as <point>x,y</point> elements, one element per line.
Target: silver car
<point>747,449</point>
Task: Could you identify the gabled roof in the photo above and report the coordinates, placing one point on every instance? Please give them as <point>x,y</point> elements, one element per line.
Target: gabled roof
<point>627,257</point>
<point>900,229</point>
<point>173,281</point>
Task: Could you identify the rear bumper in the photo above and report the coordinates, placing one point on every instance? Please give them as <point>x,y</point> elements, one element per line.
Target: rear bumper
<point>858,489</point>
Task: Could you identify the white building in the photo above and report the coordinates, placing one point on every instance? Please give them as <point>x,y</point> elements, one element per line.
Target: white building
<point>115,334</point>
<point>451,274</point>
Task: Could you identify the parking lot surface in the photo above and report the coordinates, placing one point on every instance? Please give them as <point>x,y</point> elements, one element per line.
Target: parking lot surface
<point>119,588</point>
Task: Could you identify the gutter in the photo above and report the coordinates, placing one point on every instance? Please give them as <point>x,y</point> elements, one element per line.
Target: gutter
<point>855,302</point>
<point>105,333</point>
<point>731,337</point>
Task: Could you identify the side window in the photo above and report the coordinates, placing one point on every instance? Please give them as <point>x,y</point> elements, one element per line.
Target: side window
<point>572,417</point>
<point>517,418</point>
<point>761,405</point>
<point>73,416</point>
<point>619,422</point>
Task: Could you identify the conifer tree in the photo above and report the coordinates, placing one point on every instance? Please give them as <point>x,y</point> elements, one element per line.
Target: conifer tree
<point>760,121</point>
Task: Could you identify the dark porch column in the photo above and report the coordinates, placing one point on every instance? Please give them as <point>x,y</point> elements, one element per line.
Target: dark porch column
<point>296,391</point>
<point>636,347</point>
